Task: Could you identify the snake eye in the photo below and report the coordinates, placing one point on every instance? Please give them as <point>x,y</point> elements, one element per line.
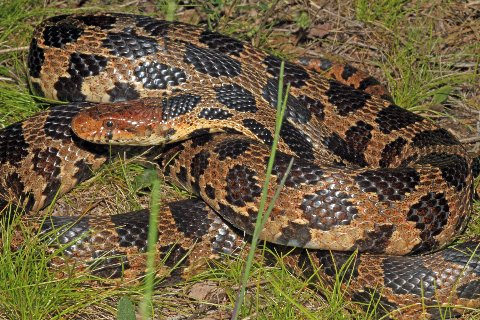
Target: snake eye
<point>109,123</point>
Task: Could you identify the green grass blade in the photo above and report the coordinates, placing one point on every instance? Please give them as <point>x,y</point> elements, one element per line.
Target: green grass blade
<point>151,245</point>
<point>263,216</point>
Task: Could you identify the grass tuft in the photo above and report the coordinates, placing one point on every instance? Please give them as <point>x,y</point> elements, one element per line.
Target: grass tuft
<point>31,288</point>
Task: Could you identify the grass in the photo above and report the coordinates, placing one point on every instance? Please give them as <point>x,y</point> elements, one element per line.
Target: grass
<point>399,42</point>
<point>31,290</point>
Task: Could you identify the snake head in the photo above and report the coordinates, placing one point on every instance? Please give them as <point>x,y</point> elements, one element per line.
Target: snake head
<point>136,122</point>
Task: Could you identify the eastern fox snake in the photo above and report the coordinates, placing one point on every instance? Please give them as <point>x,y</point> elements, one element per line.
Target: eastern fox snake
<point>366,175</point>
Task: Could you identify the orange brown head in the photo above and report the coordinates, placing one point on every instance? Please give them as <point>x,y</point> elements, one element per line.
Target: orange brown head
<point>137,122</point>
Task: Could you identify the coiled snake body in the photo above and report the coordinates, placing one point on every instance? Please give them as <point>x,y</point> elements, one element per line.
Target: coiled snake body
<point>366,174</point>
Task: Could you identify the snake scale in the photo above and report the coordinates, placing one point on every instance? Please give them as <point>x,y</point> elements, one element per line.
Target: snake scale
<point>367,175</point>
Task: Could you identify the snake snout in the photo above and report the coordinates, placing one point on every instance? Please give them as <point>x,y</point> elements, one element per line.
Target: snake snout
<point>85,127</point>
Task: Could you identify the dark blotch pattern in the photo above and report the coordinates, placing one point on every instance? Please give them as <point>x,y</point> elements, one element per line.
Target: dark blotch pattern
<point>191,218</point>
<point>270,92</point>
<point>476,166</point>
<point>221,43</point>
<point>160,28</point>
<point>346,99</point>
<point>333,262</point>
<point>59,35</point>
<point>241,186</point>
<point>37,89</point>
<point>80,66</point>
<point>433,138</point>
<point>469,290</point>
<point>232,148</point>
<point>132,229</point>
<point>406,275</point>
<point>377,240</point>
<point>454,168</point>
<point>123,92</point>
<point>357,138</point>
<point>177,105</point>
<point>129,45</point>
<point>316,107</point>
<point>259,130</point>
<point>240,221</point>
<point>297,141</point>
<point>57,125</point>
<point>327,208</point>
<point>348,71</point>
<point>462,254</point>
<point>46,163</point>
<point>13,147</point>
<point>55,19</point>
<point>304,262</point>
<point>388,184</point>
<point>295,234</point>
<point>153,26</point>
<point>236,97</point>
<point>155,75</point>
<point>197,168</point>
<point>301,173</point>
<point>391,151</point>
<point>171,153</point>
<point>174,255</point>
<point>293,74</point>
<point>86,65</point>
<point>297,110</point>
<point>51,189</point>
<point>210,191</point>
<point>16,187</point>
<point>322,63</point>
<point>367,82</point>
<point>200,137</point>
<point>109,264</point>
<point>442,312</point>
<point>69,89</point>
<point>394,118</point>
<point>231,130</point>
<point>68,230</point>
<point>345,150</point>
<point>84,171</point>
<point>211,62</point>
<point>182,175</point>
<point>430,214</point>
<point>102,22</point>
<point>35,59</point>
<point>214,114</point>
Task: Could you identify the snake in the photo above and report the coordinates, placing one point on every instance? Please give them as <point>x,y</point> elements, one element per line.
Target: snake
<point>369,187</point>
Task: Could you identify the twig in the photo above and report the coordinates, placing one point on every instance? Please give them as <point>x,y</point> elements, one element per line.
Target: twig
<point>470,140</point>
<point>14,49</point>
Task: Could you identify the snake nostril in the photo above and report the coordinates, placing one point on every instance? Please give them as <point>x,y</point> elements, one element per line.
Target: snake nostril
<point>109,135</point>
